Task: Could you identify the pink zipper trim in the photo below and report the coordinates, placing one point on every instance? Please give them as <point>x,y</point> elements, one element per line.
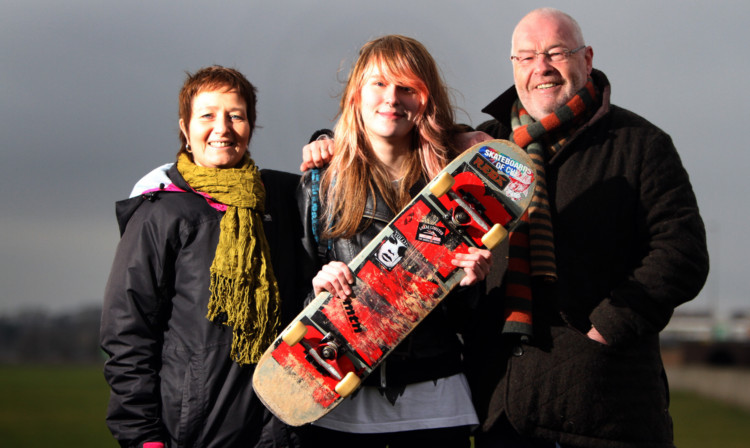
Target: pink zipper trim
<point>211,201</point>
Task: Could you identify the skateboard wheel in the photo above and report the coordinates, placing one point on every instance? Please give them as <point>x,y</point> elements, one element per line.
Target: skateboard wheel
<point>348,385</point>
<point>295,333</point>
<point>492,238</point>
<point>442,184</point>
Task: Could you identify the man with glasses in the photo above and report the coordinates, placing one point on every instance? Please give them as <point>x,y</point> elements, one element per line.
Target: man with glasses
<point>614,243</point>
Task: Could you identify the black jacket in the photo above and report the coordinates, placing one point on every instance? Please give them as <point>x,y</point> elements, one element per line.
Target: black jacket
<point>433,349</point>
<point>630,247</point>
<point>169,369</point>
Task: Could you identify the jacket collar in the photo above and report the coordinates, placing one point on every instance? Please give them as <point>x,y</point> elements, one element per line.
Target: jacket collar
<point>160,179</point>
<point>376,208</point>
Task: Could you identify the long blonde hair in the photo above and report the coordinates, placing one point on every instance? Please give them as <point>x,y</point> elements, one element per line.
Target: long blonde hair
<point>355,171</point>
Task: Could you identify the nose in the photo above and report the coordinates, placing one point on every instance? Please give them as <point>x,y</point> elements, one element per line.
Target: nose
<point>221,124</point>
<point>542,63</point>
<point>391,94</point>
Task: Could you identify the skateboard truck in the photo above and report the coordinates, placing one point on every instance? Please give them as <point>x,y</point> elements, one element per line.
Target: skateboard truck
<point>330,347</point>
<point>493,234</point>
<point>329,350</point>
<point>466,208</point>
<point>320,361</point>
<point>459,217</point>
<point>296,335</point>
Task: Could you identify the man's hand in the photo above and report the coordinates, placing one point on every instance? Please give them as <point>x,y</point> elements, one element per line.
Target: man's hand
<point>466,140</point>
<point>317,154</point>
<point>594,335</point>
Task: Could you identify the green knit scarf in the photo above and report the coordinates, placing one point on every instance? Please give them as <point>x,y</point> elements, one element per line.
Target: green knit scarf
<point>244,293</point>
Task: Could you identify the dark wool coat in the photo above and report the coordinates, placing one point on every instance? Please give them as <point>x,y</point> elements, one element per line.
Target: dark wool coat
<point>169,369</point>
<point>630,247</point>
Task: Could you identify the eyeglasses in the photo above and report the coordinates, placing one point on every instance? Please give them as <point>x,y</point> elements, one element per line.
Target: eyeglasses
<point>561,55</point>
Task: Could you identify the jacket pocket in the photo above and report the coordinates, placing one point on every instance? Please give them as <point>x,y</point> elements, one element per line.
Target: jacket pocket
<point>183,396</point>
<point>589,389</point>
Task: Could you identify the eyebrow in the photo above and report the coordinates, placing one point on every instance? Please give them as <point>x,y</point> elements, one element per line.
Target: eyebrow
<point>212,107</point>
<point>546,50</point>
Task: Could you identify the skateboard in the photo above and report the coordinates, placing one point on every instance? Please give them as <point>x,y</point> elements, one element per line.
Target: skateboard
<point>401,275</point>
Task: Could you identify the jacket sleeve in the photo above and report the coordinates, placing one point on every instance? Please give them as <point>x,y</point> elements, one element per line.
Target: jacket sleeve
<point>494,128</point>
<point>672,238</point>
<point>131,332</point>
<point>290,264</point>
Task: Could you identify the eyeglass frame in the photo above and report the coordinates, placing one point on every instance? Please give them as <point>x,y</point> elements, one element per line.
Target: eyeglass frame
<point>547,56</point>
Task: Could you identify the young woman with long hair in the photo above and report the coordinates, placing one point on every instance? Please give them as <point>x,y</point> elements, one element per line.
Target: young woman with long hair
<point>394,133</point>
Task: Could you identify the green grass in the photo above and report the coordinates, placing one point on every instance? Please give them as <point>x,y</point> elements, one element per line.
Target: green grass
<point>65,407</point>
<point>53,406</point>
<point>701,422</point>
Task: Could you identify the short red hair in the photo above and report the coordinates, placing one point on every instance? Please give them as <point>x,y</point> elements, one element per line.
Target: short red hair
<point>210,79</point>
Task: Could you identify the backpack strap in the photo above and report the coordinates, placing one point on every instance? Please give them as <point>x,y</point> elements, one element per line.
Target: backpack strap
<point>315,206</point>
<point>324,245</point>
<point>315,211</point>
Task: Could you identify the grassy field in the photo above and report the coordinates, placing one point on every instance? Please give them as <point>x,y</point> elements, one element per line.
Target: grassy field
<point>700,422</point>
<point>53,406</point>
<point>65,407</point>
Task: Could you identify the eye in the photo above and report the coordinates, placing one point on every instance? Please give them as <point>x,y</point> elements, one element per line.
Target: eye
<point>236,117</point>
<point>407,89</point>
<point>556,56</point>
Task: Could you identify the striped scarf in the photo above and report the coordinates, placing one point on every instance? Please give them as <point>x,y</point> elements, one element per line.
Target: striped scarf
<point>532,248</point>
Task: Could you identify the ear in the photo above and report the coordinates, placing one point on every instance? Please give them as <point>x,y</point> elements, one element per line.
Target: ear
<point>589,55</point>
<point>184,130</point>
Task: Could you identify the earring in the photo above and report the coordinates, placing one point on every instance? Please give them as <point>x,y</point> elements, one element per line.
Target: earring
<point>187,147</point>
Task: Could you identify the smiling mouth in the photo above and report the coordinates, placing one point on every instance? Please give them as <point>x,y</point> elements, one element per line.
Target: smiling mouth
<point>546,86</point>
<point>221,144</point>
<point>392,115</point>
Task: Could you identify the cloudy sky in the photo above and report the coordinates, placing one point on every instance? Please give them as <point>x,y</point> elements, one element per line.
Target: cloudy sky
<point>88,95</point>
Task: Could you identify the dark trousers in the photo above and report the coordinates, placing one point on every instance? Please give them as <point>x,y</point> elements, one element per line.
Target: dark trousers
<point>503,435</point>
<point>440,437</point>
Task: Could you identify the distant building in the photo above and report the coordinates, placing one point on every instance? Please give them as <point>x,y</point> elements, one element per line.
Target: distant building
<point>705,326</point>
<point>703,338</point>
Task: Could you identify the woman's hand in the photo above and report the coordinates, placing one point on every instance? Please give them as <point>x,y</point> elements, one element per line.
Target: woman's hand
<point>317,154</point>
<point>336,278</point>
<point>476,264</point>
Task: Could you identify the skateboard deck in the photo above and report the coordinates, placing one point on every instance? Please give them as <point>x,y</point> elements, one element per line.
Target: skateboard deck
<point>401,275</point>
